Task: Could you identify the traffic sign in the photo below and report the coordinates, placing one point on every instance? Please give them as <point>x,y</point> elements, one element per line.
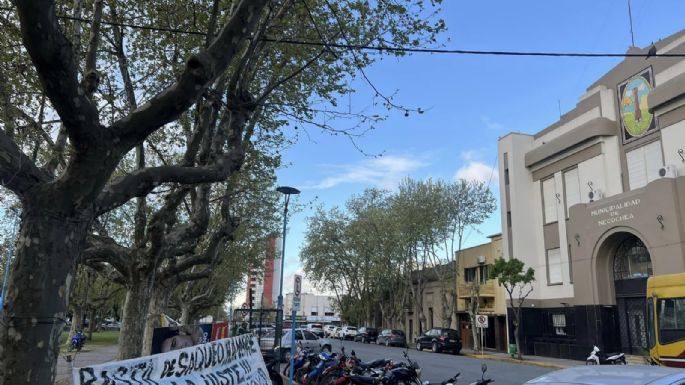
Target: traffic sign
<point>481,321</point>
<point>297,292</point>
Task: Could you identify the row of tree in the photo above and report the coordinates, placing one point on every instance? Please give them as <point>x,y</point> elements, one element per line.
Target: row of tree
<point>379,253</point>
<point>124,129</point>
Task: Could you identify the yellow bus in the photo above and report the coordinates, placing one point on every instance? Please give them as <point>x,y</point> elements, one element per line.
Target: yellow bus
<point>666,319</point>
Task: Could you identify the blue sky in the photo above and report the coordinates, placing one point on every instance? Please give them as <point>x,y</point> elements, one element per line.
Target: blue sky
<point>471,100</point>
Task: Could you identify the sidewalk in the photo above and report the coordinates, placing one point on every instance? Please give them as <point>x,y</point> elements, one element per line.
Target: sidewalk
<point>545,362</point>
<point>88,356</point>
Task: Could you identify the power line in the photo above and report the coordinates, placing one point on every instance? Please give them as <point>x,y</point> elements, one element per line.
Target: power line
<point>381,49</point>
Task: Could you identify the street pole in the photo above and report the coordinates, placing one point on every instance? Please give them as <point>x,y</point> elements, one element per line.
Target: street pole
<point>10,254</point>
<point>287,191</point>
<point>292,346</point>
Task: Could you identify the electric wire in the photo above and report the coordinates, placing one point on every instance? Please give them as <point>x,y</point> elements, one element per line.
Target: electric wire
<point>385,49</point>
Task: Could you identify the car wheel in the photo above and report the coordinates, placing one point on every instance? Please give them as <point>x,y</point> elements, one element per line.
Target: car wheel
<point>434,348</point>
<point>418,346</point>
<point>456,351</point>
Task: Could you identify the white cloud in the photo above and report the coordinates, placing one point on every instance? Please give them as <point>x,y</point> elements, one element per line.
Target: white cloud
<point>479,171</point>
<point>490,124</point>
<point>384,172</point>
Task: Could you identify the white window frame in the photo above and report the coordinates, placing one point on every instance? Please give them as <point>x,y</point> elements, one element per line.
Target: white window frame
<point>569,187</point>
<point>643,164</point>
<point>549,200</point>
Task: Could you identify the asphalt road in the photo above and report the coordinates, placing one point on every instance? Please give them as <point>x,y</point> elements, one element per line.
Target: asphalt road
<point>436,367</point>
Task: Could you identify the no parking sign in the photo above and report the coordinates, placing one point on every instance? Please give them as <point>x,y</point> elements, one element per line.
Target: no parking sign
<point>481,321</point>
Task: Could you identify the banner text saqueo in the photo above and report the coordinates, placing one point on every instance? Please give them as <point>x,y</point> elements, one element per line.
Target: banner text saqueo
<point>230,361</point>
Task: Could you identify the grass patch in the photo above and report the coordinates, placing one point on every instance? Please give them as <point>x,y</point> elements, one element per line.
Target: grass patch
<point>106,338</point>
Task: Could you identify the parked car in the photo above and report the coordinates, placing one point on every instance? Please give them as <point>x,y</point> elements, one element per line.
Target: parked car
<point>307,339</point>
<point>113,325</point>
<point>316,329</point>
<point>613,374</point>
<point>347,333</point>
<point>392,337</point>
<point>366,334</point>
<point>329,330</point>
<point>439,339</point>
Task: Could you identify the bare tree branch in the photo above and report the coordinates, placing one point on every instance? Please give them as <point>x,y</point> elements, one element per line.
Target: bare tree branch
<point>201,69</point>
<point>17,172</point>
<point>57,70</point>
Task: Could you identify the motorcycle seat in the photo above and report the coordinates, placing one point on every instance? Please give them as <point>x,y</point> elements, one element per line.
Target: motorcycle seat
<point>373,364</point>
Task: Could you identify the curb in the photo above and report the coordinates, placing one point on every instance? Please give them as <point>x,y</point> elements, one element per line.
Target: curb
<point>514,361</point>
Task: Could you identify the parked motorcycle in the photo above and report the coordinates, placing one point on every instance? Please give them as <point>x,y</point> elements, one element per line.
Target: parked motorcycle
<point>600,358</point>
<point>76,342</point>
<point>483,380</point>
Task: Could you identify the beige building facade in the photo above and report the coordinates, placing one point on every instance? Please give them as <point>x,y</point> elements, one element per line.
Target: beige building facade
<point>595,203</point>
<point>474,263</point>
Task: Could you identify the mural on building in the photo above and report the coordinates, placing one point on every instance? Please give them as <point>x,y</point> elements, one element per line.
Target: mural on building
<point>636,120</point>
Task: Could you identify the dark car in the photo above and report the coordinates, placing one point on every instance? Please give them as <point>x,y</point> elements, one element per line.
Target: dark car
<point>440,339</point>
<point>366,334</point>
<point>391,337</point>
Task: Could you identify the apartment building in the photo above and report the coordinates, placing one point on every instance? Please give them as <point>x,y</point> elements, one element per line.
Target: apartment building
<point>474,263</point>
<point>595,203</point>
<point>264,283</point>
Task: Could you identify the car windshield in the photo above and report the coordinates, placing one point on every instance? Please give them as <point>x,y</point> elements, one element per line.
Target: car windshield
<point>316,326</point>
<point>351,328</point>
<point>398,332</point>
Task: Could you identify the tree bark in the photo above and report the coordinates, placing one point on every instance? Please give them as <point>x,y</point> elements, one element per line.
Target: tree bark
<point>36,304</point>
<point>133,320</point>
<point>158,304</point>
<point>76,321</point>
<point>516,336</point>
<point>185,314</point>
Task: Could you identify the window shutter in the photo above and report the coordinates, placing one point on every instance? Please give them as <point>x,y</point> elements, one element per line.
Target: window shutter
<point>637,176</point>
<point>653,160</point>
<point>554,265</point>
<point>549,193</point>
<point>572,186</point>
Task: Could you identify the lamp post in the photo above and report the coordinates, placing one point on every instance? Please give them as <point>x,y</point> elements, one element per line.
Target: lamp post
<point>287,191</point>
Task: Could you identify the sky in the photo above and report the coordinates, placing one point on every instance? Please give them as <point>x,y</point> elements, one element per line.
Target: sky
<point>470,101</point>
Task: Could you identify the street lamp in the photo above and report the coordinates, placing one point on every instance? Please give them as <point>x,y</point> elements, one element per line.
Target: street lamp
<point>287,191</point>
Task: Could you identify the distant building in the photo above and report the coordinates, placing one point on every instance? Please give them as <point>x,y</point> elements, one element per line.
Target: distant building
<point>595,204</point>
<point>263,284</point>
<point>313,308</point>
<point>473,268</point>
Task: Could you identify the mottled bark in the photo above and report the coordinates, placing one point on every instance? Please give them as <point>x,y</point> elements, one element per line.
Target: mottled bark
<point>158,304</point>
<point>133,319</point>
<point>36,304</point>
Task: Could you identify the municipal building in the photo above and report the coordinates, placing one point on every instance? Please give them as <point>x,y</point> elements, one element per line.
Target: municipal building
<point>595,203</point>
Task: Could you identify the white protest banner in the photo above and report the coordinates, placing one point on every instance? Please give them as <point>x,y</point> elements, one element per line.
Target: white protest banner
<point>231,361</point>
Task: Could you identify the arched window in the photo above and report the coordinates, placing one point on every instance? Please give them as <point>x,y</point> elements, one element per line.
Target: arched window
<point>632,260</point>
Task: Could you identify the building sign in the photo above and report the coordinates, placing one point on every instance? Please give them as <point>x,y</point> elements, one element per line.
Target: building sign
<point>636,120</point>
<point>616,213</point>
<point>230,361</point>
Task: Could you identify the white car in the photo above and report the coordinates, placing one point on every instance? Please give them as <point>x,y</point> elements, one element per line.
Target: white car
<point>303,337</point>
<point>612,375</point>
<point>328,330</point>
<point>348,332</point>
<point>316,329</point>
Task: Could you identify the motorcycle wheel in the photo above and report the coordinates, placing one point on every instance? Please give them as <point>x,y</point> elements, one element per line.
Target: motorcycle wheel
<point>434,348</point>
<point>70,348</point>
<point>79,347</point>
<point>387,343</point>
<point>418,346</point>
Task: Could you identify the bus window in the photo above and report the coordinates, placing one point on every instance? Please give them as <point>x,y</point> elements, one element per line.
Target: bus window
<point>650,323</point>
<point>671,320</point>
